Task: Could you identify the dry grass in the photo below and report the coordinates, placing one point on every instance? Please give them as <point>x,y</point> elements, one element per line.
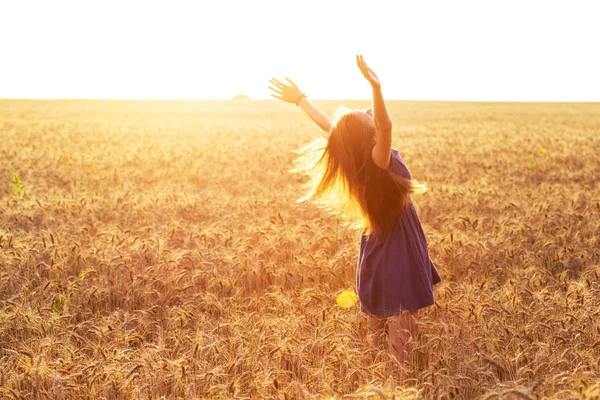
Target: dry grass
<point>158,250</point>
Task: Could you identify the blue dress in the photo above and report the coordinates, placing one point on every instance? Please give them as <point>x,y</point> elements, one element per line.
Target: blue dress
<point>395,273</point>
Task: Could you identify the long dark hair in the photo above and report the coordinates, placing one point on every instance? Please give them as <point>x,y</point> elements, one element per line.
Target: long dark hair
<point>345,179</point>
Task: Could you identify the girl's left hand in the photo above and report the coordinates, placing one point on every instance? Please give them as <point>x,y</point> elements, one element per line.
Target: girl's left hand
<point>368,72</point>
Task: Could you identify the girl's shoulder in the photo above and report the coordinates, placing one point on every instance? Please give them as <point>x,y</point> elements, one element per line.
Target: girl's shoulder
<point>398,165</point>
<point>396,155</point>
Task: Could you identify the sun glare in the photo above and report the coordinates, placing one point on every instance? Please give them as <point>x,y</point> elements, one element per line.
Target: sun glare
<point>459,50</point>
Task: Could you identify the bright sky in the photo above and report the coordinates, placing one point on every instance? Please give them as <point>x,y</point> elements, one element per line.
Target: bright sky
<point>522,50</point>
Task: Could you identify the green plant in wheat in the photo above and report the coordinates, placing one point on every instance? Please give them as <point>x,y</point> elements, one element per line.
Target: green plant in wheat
<point>18,185</point>
<point>531,161</point>
<point>58,303</point>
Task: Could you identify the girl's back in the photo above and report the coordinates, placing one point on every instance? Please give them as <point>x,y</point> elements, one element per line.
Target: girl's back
<point>395,273</point>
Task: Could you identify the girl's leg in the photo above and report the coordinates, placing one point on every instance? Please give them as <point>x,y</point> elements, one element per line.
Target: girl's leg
<point>402,333</point>
<point>376,331</point>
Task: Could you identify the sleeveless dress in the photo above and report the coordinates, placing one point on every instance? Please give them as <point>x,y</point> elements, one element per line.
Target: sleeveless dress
<point>395,273</point>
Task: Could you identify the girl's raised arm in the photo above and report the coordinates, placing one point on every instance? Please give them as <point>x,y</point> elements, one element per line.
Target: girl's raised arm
<point>292,94</point>
<point>383,122</point>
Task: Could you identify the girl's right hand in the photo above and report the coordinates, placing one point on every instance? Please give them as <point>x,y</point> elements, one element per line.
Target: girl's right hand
<point>368,72</point>
<point>289,93</point>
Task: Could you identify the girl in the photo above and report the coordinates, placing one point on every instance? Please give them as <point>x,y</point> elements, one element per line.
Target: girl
<point>359,174</point>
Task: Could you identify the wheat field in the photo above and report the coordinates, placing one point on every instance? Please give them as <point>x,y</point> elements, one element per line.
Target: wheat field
<point>156,250</point>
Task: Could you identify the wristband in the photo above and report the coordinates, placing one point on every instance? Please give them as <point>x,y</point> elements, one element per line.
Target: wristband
<point>300,98</point>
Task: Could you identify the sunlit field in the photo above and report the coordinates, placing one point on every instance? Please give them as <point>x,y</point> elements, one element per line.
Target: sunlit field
<point>156,249</point>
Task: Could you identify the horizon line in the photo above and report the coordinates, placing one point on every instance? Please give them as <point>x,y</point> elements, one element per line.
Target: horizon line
<point>231,99</point>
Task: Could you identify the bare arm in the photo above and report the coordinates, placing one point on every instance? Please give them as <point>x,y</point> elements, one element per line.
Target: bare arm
<point>383,122</point>
<point>318,116</point>
<point>292,94</point>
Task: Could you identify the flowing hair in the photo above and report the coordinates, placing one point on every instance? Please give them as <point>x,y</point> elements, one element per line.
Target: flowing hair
<point>344,179</point>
